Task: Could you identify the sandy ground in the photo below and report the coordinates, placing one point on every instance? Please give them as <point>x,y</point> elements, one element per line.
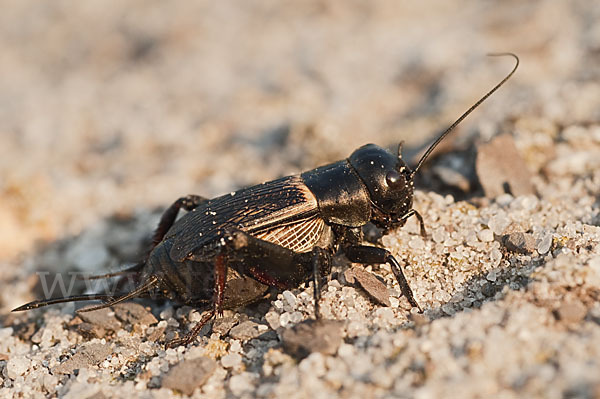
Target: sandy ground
<point>110,110</point>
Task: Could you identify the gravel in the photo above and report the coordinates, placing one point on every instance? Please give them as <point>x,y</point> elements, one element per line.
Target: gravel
<point>87,355</point>
<point>376,290</point>
<point>110,113</point>
<point>134,314</point>
<point>188,375</point>
<point>520,242</point>
<point>323,336</point>
<point>103,319</point>
<point>247,330</point>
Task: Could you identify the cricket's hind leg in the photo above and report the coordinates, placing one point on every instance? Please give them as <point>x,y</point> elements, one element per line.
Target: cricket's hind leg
<point>280,267</point>
<point>168,217</point>
<point>186,295</point>
<point>263,264</point>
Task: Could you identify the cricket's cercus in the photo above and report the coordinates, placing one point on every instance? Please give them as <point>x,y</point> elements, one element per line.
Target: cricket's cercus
<point>227,251</point>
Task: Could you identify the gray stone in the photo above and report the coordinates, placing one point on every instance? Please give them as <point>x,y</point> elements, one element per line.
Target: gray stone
<point>371,284</point>
<point>488,289</point>
<point>103,318</point>
<point>188,375</point>
<point>134,314</point>
<point>324,336</point>
<point>247,330</point>
<point>223,325</point>
<point>520,242</point>
<point>87,355</point>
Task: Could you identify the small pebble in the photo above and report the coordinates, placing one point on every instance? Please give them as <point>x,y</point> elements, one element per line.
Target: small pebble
<point>189,375</point>
<point>241,383</point>
<point>296,317</point>
<point>284,319</point>
<point>495,256</point>
<point>485,235</point>
<point>416,243</point>
<point>371,284</point>
<point>289,298</point>
<point>572,312</point>
<point>519,242</point>
<point>247,330</point>
<point>167,313</point>
<point>273,319</point>
<point>439,235</point>
<point>17,366</point>
<point>324,336</point>
<point>235,346</point>
<point>544,244</point>
<point>498,223</point>
<point>278,304</point>
<point>231,360</point>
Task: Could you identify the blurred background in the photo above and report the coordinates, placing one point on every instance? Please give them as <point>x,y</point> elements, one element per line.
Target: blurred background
<point>111,106</point>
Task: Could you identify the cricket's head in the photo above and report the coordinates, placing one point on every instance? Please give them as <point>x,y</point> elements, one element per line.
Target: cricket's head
<point>389,182</point>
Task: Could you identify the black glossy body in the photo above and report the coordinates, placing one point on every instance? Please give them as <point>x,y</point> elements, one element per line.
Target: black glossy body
<point>281,223</point>
<point>227,251</point>
<point>341,196</point>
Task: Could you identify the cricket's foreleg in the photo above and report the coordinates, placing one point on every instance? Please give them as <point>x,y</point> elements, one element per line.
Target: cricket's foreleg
<point>416,214</point>
<point>321,262</point>
<point>368,254</point>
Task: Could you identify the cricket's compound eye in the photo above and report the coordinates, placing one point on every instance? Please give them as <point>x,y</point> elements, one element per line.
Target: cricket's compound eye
<point>386,177</point>
<point>395,180</point>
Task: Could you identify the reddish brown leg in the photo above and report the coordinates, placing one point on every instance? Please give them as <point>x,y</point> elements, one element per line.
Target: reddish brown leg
<point>219,297</point>
<point>168,218</point>
<point>191,336</point>
<point>220,278</point>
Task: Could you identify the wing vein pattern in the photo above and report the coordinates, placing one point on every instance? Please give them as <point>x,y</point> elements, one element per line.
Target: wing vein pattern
<point>283,211</point>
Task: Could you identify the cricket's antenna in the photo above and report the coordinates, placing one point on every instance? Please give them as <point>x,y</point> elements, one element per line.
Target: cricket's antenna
<point>463,116</point>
